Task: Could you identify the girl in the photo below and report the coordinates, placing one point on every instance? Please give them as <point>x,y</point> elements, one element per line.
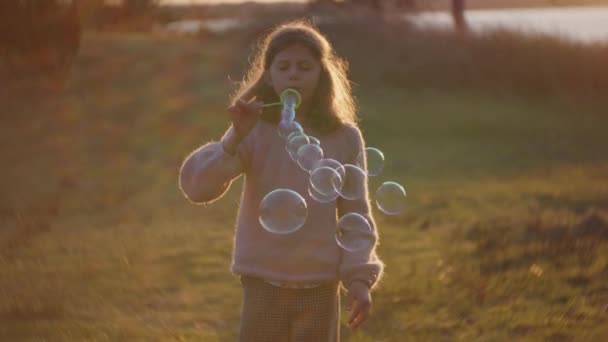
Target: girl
<point>290,282</point>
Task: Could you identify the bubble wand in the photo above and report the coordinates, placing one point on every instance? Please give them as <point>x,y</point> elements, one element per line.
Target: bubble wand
<point>288,97</point>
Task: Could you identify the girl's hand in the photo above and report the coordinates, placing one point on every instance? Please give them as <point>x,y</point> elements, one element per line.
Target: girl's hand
<point>359,300</point>
<point>244,116</point>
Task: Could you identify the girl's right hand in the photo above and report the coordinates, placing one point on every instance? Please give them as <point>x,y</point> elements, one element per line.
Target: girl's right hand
<point>244,116</point>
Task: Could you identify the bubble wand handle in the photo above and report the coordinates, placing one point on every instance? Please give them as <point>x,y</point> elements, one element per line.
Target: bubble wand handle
<point>290,98</point>
<point>271,104</point>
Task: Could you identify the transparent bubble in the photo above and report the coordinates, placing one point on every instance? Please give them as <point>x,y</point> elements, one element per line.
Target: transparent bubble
<point>290,101</point>
<point>354,233</point>
<point>288,114</point>
<point>314,140</point>
<point>294,133</point>
<point>374,158</point>
<point>294,144</point>
<point>288,127</point>
<point>283,211</point>
<point>354,182</point>
<point>390,198</point>
<point>308,155</point>
<point>319,197</point>
<point>334,164</point>
<point>326,181</point>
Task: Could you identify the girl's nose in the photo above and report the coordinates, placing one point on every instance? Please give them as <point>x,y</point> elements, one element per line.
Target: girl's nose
<point>293,74</point>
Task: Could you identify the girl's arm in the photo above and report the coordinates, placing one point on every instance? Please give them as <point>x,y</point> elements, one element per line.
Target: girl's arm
<point>206,174</point>
<point>364,266</point>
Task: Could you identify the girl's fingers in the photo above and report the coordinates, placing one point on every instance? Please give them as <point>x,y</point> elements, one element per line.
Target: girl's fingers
<point>252,106</point>
<point>356,309</point>
<point>361,315</point>
<point>257,106</point>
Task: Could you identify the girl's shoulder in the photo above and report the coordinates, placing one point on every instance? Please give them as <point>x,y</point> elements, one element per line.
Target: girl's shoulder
<point>346,141</point>
<point>350,133</point>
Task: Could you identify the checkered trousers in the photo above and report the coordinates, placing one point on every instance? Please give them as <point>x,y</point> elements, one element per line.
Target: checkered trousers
<point>279,314</point>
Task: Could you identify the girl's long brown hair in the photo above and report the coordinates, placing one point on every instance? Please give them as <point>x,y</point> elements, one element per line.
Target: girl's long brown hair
<point>332,104</point>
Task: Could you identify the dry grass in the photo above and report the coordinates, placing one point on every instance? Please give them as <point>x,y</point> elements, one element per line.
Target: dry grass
<point>497,243</point>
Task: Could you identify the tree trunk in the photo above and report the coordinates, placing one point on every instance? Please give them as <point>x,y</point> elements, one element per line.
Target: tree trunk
<point>460,22</point>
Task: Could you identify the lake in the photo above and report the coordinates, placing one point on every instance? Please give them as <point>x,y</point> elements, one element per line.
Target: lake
<point>588,24</point>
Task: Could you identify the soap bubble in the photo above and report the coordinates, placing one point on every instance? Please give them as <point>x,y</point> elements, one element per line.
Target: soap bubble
<point>288,127</point>
<point>294,133</point>
<point>326,181</point>
<point>354,182</point>
<point>374,158</point>
<point>314,140</point>
<point>354,233</point>
<point>288,114</point>
<point>319,197</point>
<point>334,164</point>
<point>307,155</point>
<point>390,198</point>
<point>294,144</point>
<point>283,211</point>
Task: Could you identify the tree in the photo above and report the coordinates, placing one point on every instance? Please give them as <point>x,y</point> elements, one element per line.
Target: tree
<point>39,37</point>
<point>460,22</point>
<point>138,6</point>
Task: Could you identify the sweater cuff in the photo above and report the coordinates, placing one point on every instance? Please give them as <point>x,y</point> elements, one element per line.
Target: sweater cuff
<point>368,274</point>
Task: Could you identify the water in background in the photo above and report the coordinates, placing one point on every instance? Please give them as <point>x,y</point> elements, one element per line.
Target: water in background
<point>588,24</point>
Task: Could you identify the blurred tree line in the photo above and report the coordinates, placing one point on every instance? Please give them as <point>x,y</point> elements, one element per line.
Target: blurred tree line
<point>43,36</point>
<point>38,36</point>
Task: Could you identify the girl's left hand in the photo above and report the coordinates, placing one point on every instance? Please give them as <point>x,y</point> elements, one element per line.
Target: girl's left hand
<point>359,300</point>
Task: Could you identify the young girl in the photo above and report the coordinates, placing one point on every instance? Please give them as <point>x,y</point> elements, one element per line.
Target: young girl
<point>290,282</point>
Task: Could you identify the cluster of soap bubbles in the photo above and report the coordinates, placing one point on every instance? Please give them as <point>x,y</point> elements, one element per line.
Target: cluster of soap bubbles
<point>284,211</point>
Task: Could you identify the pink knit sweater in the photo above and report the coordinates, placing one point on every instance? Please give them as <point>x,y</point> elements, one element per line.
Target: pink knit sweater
<point>310,254</point>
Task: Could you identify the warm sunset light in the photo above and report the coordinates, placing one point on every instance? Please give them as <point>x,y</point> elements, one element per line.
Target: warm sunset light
<point>353,170</point>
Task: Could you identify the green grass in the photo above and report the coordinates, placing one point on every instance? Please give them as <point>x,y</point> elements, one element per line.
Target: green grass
<point>97,243</point>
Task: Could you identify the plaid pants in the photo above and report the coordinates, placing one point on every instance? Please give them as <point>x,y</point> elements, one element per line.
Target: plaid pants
<point>277,314</point>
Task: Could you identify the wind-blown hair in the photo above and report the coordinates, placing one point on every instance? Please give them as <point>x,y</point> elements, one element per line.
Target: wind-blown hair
<point>332,103</point>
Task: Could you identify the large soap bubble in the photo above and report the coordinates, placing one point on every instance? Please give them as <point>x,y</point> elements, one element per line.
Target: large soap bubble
<point>326,181</point>
<point>294,144</point>
<point>287,127</point>
<point>354,182</point>
<point>374,158</point>
<point>308,155</point>
<point>319,197</point>
<point>354,233</point>
<point>390,198</point>
<point>334,164</point>
<point>283,211</point>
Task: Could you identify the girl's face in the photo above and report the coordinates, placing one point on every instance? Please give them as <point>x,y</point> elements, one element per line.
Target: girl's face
<point>295,67</point>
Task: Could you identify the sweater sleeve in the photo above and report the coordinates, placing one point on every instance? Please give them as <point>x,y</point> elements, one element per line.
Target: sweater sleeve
<point>206,174</point>
<point>359,265</point>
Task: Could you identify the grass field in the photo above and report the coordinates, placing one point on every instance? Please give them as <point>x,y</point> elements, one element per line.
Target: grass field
<point>505,236</point>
